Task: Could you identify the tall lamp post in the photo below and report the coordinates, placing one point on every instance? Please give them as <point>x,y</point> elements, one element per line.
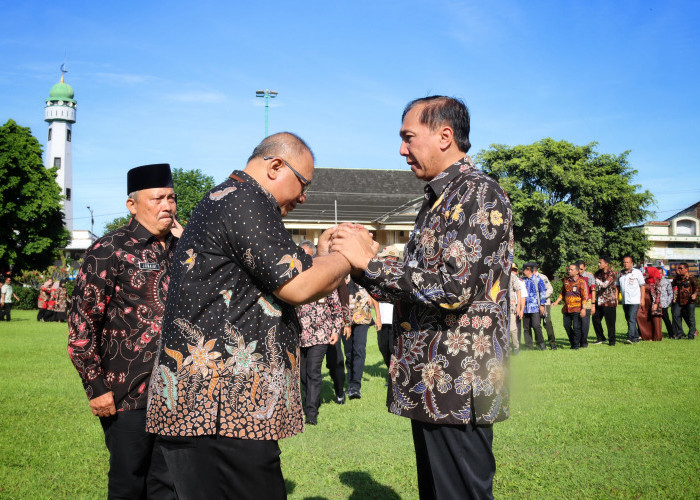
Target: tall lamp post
<point>92,221</point>
<point>267,94</point>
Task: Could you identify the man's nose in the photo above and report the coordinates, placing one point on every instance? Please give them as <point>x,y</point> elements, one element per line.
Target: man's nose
<point>403,150</point>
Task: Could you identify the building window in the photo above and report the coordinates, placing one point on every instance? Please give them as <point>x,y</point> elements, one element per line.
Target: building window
<point>67,194</point>
<point>50,133</point>
<point>686,228</point>
<point>57,162</point>
<point>68,135</point>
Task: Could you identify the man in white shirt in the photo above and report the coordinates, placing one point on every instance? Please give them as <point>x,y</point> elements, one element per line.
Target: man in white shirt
<point>630,282</point>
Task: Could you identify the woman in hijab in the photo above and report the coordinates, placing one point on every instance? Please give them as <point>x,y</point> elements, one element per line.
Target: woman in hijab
<point>649,316</point>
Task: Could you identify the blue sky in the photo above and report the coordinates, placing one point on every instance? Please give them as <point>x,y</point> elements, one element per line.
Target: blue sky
<point>175,81</point>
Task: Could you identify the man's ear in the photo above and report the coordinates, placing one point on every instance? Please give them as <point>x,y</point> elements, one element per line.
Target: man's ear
<point>274,167</point>
<point>447,137</point>
<point>131,205</point>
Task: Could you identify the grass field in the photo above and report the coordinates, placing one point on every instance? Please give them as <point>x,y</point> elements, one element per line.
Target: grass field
<point>602,422</point>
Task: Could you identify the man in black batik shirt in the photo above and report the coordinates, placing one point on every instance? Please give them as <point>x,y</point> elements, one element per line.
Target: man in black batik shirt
<point>226,384</point>
<point>448,371</point>
<point>114,325</point>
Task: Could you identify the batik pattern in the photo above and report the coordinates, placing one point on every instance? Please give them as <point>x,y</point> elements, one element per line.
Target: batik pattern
<point>229,357</point>
<point>115,312</point>
<point>451,294</point>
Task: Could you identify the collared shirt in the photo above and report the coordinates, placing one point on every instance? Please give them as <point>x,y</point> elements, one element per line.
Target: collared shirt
<point>6,293</point>
<point>229,357</point>
<point>666,293</point>
<point>606,291</point>
<point>590,282</point>
<point>360,304</point>
<point>536,294</point>
<point>451,295</point>
<point>319,320</point>
<point>630,283</point>
<point>684,288</point>
<point>513,289</point>
<point>116,308</point>
<point>548,287</point>
<point>574,291</point>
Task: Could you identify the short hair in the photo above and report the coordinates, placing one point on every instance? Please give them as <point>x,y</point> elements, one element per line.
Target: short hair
<point>575,264</point>
<point>580,262</point>
<point>682,264</point>
<point>309,244</point>
<point>605,258</point>
<point>280,144</point>
<point>439,110</point>
<point>132,195</point>
<point>628,257</point>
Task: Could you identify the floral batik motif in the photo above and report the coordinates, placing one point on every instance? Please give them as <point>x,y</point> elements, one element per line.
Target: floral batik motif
<point>450,356</point>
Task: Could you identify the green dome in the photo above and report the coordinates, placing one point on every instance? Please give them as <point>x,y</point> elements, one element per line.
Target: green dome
<point>61,92</point>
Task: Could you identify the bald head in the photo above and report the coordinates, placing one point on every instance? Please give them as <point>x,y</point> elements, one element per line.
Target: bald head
<point>283,164</point>
<point>283,144</point>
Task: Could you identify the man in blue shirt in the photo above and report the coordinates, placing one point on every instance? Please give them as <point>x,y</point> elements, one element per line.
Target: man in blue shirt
<point>534,306</point>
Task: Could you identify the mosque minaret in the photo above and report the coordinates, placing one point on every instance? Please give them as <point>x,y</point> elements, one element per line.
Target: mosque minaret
<point>60,114</point>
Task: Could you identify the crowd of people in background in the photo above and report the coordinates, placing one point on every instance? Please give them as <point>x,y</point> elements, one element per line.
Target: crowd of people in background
<point>645,295</point>
<point>52,302</point>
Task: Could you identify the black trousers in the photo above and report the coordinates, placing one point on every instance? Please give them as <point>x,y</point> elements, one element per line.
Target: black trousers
<point>610,314</point>
<point>385,341</point>
<point>355,352</point>
<point>136,466</point>
<point>213,467</point>
<point>454,461</point>
<point>532,320</point>
<point>5,311</point>
<point>681,313</point>
<point>572,325</point>
<point>335,362</point>
<point>311,361</point>
<point>547,322</point>
<point>585,327</point>
<point>667,322</point>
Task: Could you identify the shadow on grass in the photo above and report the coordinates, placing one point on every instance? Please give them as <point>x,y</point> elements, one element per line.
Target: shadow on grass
<point>364,486</point>
<point>378,369</point>
<point>289,486</point>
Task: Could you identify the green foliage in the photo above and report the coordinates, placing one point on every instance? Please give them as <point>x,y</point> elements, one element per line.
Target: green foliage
<point>190,187</point>
<point>604,437</point>
<point>27,297</point>
<point>570,202</point>
<point>117,223</point>
<point>31,221</point>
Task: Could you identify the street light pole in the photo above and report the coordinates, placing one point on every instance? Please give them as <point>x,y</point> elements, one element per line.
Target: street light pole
<point>267,94</point>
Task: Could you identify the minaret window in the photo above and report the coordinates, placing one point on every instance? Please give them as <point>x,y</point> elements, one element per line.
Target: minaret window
<point>49,133</point>
<point>67,194</point>
<point>57,162</point>
<point>68,134</point>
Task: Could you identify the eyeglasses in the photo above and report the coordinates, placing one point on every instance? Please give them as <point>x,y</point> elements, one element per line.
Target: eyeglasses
<point>305,184</point>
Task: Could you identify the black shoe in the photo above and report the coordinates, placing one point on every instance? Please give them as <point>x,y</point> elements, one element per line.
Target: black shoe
<point>340,400</point>
<point>541,348</point>
<point>354,394</point>
<point>553,347</point>
<point>311,420</point>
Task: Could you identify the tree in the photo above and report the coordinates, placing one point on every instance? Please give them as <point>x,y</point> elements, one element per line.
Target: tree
<point>570,202</point>
<point>31,221</point>
<point>190,188</point>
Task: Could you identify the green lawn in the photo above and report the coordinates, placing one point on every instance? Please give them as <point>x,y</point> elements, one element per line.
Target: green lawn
<point>602,422</point>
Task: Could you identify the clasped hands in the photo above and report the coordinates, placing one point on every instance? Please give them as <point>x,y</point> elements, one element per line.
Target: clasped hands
<point>352,241</point>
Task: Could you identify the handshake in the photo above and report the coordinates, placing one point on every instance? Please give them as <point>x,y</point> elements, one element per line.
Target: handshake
<point>352,241</point>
